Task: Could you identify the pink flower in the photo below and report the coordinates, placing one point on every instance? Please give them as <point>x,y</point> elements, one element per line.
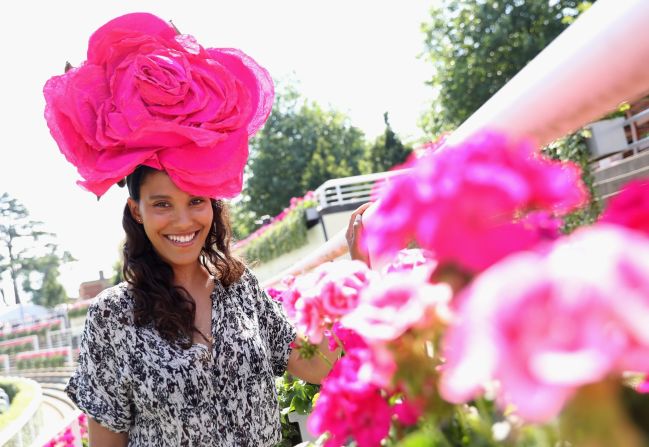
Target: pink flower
<point>408,411</point>
<point>411,258</point>
<point>462,203</point>
<point>347,337</point>
<point>644,386</point>
<point>630,207</point>
<point>350,407</point>
<point>149,96</point>
<point>398,302</point>
<point>543,325</point>
<point>316,300</point>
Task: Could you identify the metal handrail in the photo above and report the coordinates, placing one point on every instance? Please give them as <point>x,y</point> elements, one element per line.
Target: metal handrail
<point>337,191</point>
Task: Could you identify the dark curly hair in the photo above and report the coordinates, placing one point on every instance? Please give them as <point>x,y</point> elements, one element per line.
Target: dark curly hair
<point>157,300</point>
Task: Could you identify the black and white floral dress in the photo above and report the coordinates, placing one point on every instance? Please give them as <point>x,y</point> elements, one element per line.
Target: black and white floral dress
<point>130,379</point>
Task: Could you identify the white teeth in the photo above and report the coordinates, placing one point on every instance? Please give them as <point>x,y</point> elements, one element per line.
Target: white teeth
<point>181,239</point>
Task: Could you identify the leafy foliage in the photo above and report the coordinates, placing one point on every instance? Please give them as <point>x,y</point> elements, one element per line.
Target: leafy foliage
<point>282,237</point>
<point>476,47</point>
<point>300,147</point>
<point>294,395</point>
<point>573,147</point>
<point>21,239</point>
<point>24,392</point>
<point>386,152</point>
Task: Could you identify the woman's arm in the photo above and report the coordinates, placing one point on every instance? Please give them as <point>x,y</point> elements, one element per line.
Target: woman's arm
<point>315,369</point>
<point>100,436</point>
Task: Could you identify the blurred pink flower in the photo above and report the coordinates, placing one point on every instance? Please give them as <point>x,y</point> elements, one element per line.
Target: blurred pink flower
<point>644,386</point>
<point>316,300</point>
<point>411,258</point>
<point>350,407</point>
<point>396,303</point>
<point>462,202</point>
<point>408,411</point>
<point>630,207</point>
<point>542,325</point>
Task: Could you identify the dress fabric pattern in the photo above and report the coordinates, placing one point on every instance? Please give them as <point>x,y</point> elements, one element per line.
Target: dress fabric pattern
<point>130,379</point>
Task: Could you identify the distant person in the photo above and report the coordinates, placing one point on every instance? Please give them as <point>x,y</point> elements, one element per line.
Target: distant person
<point>184,352</point>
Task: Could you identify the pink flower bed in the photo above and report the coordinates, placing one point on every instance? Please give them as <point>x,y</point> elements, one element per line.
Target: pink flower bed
<point>32,329</point>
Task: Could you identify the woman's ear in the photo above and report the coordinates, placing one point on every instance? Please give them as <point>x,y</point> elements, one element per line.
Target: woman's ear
<point>135,210</point>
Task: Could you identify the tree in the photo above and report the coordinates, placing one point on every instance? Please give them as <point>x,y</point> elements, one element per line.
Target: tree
<point>300,147</point>
<point>386,152</point>
<point>476,47</point>
<point>23,244</point>
<point>50,292</point>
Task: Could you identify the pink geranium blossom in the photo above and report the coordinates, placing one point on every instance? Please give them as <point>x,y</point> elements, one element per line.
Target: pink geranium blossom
<point>544,324</point>
<point>630,207</point>
<point>463,203</point>
<point>411,258</point>
<point>643,387</point>
<point>316,300</point>
<point>395,304</point>
<point>350,407</point>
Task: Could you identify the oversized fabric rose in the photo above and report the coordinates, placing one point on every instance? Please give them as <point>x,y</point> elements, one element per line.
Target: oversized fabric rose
<point>149,96</point>
<point>543,325</point>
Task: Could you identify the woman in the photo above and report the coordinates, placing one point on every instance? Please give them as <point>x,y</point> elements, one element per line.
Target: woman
<point>185,351</point>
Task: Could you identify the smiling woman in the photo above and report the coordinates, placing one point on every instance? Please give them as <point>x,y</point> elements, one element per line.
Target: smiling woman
<point>185,351</point>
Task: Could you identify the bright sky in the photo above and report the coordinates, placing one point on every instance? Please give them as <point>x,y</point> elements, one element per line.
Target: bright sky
<point>359,56</point>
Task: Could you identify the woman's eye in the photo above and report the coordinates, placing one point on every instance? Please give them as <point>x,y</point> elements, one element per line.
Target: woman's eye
<point>197,201</point>
<point>161,204</point>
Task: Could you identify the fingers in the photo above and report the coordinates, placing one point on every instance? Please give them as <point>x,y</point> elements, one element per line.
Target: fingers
<point>356,220</point>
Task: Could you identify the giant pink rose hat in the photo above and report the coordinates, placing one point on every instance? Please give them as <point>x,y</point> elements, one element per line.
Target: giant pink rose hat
<point>149,96</point>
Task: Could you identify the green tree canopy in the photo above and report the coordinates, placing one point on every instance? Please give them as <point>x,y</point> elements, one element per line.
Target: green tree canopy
<point>386,151</point>
<point>476,47</point>
<point>300,147</point>
<point>27,252</point>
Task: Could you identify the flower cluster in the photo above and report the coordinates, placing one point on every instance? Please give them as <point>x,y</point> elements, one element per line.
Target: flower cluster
<point>544,324</point>
<point>498,306</point>
<point>32,329</point>
<point>467,204</point>
<point>67,437</point>
<point>43,358</point>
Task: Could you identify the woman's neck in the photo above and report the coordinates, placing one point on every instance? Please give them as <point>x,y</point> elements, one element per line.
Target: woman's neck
<point>190,276</point>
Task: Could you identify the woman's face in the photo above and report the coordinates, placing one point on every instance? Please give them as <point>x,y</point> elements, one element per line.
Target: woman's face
<point>176,223</point>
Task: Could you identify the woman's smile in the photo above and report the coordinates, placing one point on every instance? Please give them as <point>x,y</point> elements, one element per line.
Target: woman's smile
<point>182,240</point>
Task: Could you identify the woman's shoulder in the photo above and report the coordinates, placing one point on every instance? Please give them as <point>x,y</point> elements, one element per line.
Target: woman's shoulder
<point>112,303</point>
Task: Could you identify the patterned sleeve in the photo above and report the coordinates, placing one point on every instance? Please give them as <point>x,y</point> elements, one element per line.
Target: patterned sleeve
<point>276,329</point>
<point>100,386</point>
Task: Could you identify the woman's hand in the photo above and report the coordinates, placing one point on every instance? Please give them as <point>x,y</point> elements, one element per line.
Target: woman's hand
<point>353,234</point>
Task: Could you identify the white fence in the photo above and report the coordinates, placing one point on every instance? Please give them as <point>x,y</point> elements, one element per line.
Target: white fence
<point>356,189</point>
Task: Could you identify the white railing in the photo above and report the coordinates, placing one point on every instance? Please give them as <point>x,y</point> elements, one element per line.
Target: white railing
<point>25,428</point>
<point>355,189</point>
<point>586,72</point>
<point>64,337</point>
<point>638,119</point>
<point>33,339</point>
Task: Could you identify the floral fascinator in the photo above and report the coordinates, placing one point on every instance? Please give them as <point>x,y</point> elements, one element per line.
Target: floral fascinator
<point>148,95</point>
